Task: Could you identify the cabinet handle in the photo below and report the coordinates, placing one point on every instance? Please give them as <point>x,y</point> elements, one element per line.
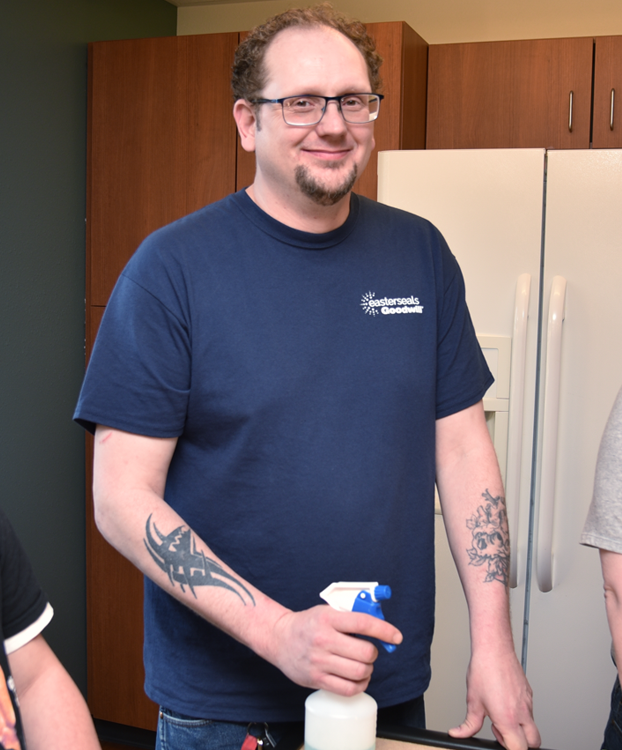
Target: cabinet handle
<point>570,112</point>
<point>613,96</point>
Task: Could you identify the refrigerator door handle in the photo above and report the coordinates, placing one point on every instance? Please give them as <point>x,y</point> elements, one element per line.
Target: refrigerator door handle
<point>544,546</point>
<point>517,397</point>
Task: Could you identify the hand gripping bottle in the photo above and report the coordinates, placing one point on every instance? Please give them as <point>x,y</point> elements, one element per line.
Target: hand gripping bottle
<point>336,722</point>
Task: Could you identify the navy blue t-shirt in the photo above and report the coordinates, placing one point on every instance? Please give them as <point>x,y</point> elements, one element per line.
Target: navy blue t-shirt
<point>303,375</point>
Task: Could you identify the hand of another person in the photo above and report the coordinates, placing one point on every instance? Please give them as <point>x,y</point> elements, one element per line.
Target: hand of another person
<point>317,648</point>
<point>497,688</point>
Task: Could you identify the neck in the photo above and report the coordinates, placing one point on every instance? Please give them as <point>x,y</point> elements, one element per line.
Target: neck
<point>301,213</point>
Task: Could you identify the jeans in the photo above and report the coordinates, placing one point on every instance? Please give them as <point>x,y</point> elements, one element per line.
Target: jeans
<point>179,732</point>
<point>613,730</point>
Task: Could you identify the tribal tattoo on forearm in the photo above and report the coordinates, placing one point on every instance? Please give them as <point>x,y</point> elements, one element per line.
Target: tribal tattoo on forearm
<point>491,539</point>
<point>177,555</point>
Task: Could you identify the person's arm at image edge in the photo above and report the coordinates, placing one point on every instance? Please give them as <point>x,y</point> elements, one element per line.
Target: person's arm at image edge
<point>473,505</point>
<point>611,563</point>
<point>54,713</point>
<point>314,648</point>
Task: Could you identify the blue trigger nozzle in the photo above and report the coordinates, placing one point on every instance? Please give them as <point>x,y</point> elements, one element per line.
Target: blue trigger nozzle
<point>382,593</point>
<point>364,602</point>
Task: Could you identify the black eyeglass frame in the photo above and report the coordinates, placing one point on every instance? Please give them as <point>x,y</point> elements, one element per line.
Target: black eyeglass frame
<point>327,99</point>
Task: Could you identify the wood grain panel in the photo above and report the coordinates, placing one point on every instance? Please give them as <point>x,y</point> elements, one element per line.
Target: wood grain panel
<point>211,154</point>
<point>413,89</point>
<point>509,94</point>
<point>607,77</point>
<point>161,141</point>
<point>137,133</point>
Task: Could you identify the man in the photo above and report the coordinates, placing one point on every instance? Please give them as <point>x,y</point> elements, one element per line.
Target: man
<point>39,703</point>
<point>263,431</point>
<point>603,530</point>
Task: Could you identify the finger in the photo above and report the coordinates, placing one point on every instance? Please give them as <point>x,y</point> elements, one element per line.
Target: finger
<point>360,651</point>
<point>347,647</point>
<point>345,640</point>
<point>518,738</point>
<point>360,623</point>
<point>497,734</point>
<point>513,739</point>
<point>351,670</point>
<point>526,737</point>
<point>470,726</point>
<point>340,686</point>
<point>533,735</point>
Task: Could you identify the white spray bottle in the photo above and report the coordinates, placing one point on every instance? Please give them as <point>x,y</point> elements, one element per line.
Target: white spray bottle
<point>335,722</point>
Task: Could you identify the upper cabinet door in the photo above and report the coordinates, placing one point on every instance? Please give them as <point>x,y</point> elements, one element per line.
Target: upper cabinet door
<point>161,142</point>
<point>517,94</point>
<point>211,146</point>
<point>607,118</point>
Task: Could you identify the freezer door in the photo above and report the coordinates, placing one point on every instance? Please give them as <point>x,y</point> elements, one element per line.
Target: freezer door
<point>568,662</point>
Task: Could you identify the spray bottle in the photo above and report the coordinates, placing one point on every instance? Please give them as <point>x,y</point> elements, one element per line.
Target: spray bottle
<point>336,722</point>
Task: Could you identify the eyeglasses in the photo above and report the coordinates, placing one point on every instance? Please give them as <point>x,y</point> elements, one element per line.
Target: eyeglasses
<point>308,110</point>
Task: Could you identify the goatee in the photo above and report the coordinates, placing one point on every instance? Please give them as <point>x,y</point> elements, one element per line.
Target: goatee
<point>320,194</point>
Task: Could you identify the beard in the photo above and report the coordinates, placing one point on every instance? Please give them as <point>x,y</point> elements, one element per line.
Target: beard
<point>318,193</point>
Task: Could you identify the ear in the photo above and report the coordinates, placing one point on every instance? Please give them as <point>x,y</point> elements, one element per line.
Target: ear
<point>246,121</point>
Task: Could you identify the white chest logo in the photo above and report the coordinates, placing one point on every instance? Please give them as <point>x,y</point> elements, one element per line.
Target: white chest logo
<point>390,305</point>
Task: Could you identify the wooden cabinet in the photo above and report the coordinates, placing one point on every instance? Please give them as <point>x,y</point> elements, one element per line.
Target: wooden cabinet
<point>522,94</point>
<point>162,143</point>
<point>607,117</point>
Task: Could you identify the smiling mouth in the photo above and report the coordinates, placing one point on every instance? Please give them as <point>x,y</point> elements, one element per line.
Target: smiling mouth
<point>329,160</point>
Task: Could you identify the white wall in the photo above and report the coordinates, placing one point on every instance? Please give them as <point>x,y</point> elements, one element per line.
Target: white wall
<point>437,21</point>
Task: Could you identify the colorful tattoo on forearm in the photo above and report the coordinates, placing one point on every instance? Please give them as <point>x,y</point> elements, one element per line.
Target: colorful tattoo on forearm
<point>491,540</point>
<point>177,555</point>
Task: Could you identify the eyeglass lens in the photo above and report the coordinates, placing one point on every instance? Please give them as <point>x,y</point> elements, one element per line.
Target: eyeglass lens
<point>308,110</point>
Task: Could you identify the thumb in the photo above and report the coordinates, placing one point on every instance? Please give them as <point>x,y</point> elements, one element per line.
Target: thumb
<point>470,726</point>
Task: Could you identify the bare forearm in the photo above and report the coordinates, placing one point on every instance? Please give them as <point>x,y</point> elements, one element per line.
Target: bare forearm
<point>475,519</point>
<point>611,563</point>
<point>474,513</point>
<point>132,515</point>
<point>54,713</point>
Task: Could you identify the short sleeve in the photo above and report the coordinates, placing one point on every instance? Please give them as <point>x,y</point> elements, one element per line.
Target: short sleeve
<point>138,379</point>
<point>603,526</point>
<point>463,376</point>
<point>24,604</point>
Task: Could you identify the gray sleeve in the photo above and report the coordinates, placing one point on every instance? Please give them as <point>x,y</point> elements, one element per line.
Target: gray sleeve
<point>603,526</point>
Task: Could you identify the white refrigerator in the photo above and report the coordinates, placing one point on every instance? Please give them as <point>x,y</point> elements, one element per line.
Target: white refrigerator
<point>538,235</point>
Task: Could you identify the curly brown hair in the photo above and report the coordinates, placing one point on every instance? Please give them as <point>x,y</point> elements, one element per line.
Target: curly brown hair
<point>248,73</point>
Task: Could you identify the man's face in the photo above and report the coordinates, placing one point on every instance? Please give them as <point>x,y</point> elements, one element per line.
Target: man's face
<point>318,162</point>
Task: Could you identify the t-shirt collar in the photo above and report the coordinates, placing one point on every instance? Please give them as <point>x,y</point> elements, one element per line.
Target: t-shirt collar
<point>296,237</point>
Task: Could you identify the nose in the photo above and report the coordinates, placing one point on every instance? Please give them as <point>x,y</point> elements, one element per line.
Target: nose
<point>332,121</point>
